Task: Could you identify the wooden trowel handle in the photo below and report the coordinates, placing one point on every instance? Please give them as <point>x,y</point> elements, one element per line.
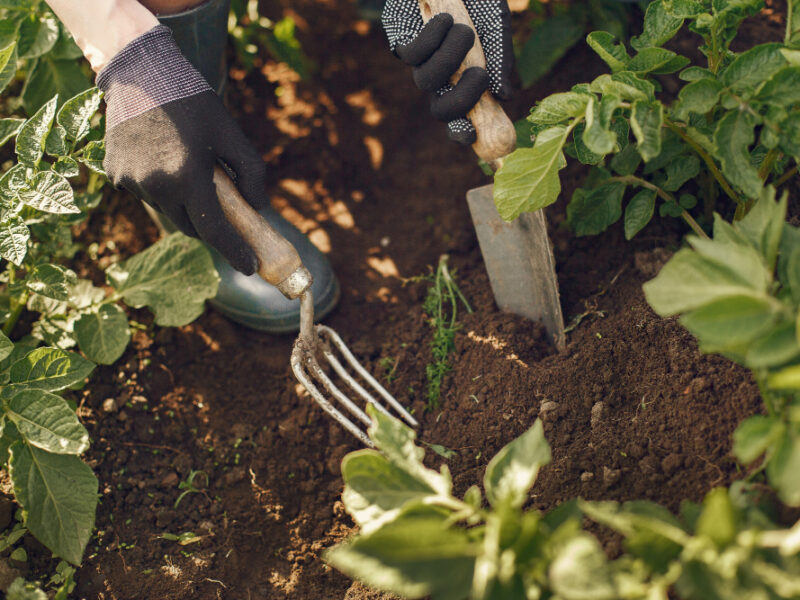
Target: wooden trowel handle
<point>278,261</point>
<point>496,135</point>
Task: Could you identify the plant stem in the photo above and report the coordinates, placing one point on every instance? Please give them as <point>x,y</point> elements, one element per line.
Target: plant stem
<point>667,197</point>
<point>766,165</point>
<point>706,159</point>
<point>789,10</point>
<point>786,177</point>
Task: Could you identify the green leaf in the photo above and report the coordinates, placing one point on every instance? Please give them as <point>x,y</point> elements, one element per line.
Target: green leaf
<point>639,212</point>
<point>718,521</point>
<point>686,9</point>
<point>8,64</point>
<point>546,45</point>
<point>650,59</point>
<point>511,473</point>
<point>49,77</point>
<point>593,211</point>
<point>14,236</point>
<point>76,114</point>
<point>6,346</point>
<point>59,494</point>
<point>659,27</point>
<point>624,84</point>
<point>764,225</point>
<point>376,490</point>
<point>46,421</point>
<point>37,35</point>
<point>754,436</point>
<point>50,192</point>
<point>731,321</point>
<point>679,171</point>
<point>581,571</point>
<point>696,74</point>
<point>734,134</point>
<point>9,128</point>
<point>784,466</point>
<point>22,590</point>
<point>56,142</point>
<point>67,166</point>
<point>92,156</point>
<point>647,118</point>
<point>583,153</point>
<point>31,137</point>
<point>597,136</point>
<point>753,67</point>
<point>698,97</point>
<point>413,558</point>
<point>557,108</point>
<point>51,281</point>
<point>49,369</point>
<point>174,278</point>
<point>613,54</point>
<point>103,335</point>
<point>626,161</point>
<point>528,180</point>
<point>783,88</point>
<point>785,379</point>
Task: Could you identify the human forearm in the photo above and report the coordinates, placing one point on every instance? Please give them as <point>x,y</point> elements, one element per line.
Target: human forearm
<point>101,28</point>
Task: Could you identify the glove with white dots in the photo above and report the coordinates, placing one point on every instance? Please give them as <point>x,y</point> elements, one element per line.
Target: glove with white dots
<point>437,48</point>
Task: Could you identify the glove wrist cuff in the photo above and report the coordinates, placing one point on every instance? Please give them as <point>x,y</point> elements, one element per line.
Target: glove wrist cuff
<point>149,72</point>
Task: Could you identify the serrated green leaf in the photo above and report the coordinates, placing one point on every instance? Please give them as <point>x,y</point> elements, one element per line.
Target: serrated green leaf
<point>659,27</point>
<point>593,211</point>
<point>650,59</point>
<point>598,136</point>
<point>528,180</point>
<point>511,473</point>
<point>686,9</point>
<point>782,89</point>
<point>174,278</point>
<point>414,558</point>
<point>733,137</point>
<point>49,369</point>
<point>59,495</point>
<point>8,64</point>
<point>49,77</point>
<point>639,212</point>
<point>56,142</point>
<point>613,54</point>
<point>776,348</point>
<point>624,84</point>
<point>647,118</point>
<point>583,153</point>
<point>46,421</point>
<point>51,281</point>
<point>6,346</point>
<point>67,166</point>
<point>751,68</point>
<point>698,97</point>
<point>76,114</point>
<point>37,35</point>
<point>679,171</point>
<point>626,161</point>
<point>754,436</point>
<point>14,236</point>
<point>33,134</point>
<point>50,192</point>
<point>729,322</point>
<point>676,64</point>
<point>783,467</point>
<point>556,108</point>
<point>103,335</point>
<point>546,45</point>
<point>9,128</point>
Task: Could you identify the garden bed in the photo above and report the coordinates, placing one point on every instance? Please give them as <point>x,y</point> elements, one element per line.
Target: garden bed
<point>631,408</point>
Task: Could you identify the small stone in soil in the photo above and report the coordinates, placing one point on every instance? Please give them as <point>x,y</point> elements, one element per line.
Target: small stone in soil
<point>611,476</point>
<point>598,410</point>
<point>587,476</point>
<point>170,480</point>
<point>547,407</point>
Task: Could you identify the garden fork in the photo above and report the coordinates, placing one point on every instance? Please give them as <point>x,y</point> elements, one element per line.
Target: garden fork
<point>280,265</point>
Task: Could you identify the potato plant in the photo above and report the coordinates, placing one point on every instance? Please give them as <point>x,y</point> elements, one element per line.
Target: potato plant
<point>733,127</point>
<point>739,294</point>
<point>61,145</point>
<point>417,539</point>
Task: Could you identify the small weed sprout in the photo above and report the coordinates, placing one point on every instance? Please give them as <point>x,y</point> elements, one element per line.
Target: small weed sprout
<point>188,486</point>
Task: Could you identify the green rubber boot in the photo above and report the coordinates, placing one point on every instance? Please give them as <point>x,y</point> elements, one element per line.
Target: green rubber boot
<point>201,33</point>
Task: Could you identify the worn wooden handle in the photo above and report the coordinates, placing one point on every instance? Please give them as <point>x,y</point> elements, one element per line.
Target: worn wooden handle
<point>278,261</point>
<point>496,135</point>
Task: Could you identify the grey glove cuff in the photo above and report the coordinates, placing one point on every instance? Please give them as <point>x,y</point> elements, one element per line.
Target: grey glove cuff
<point>149,72</point>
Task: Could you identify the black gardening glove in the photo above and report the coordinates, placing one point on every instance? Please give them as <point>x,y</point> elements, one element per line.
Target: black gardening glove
<point>438,48</point>
<point>166,129</point>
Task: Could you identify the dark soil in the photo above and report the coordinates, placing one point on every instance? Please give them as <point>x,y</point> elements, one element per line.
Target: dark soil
<point>631,408</point>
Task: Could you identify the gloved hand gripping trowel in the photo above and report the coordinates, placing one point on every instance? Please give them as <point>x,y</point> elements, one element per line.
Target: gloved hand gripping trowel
<point>280,265</point>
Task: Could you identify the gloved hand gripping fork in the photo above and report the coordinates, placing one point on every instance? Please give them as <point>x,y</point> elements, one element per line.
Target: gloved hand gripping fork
<point>280,265</point>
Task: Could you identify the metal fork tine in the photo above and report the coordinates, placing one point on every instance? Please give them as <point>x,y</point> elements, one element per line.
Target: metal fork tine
<point>342,372</point>
<point>342,347</point>
<point>322,377</point>
<point>320,399</point>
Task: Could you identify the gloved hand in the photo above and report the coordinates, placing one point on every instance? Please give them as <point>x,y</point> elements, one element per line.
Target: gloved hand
<point>437,48</point>
<point>166,129</point>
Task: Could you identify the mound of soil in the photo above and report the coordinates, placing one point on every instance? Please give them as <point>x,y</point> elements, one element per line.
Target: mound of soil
<point>631,408</point>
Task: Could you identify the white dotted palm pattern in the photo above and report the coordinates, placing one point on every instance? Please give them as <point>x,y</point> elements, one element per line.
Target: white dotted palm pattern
<point>402,21</point>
